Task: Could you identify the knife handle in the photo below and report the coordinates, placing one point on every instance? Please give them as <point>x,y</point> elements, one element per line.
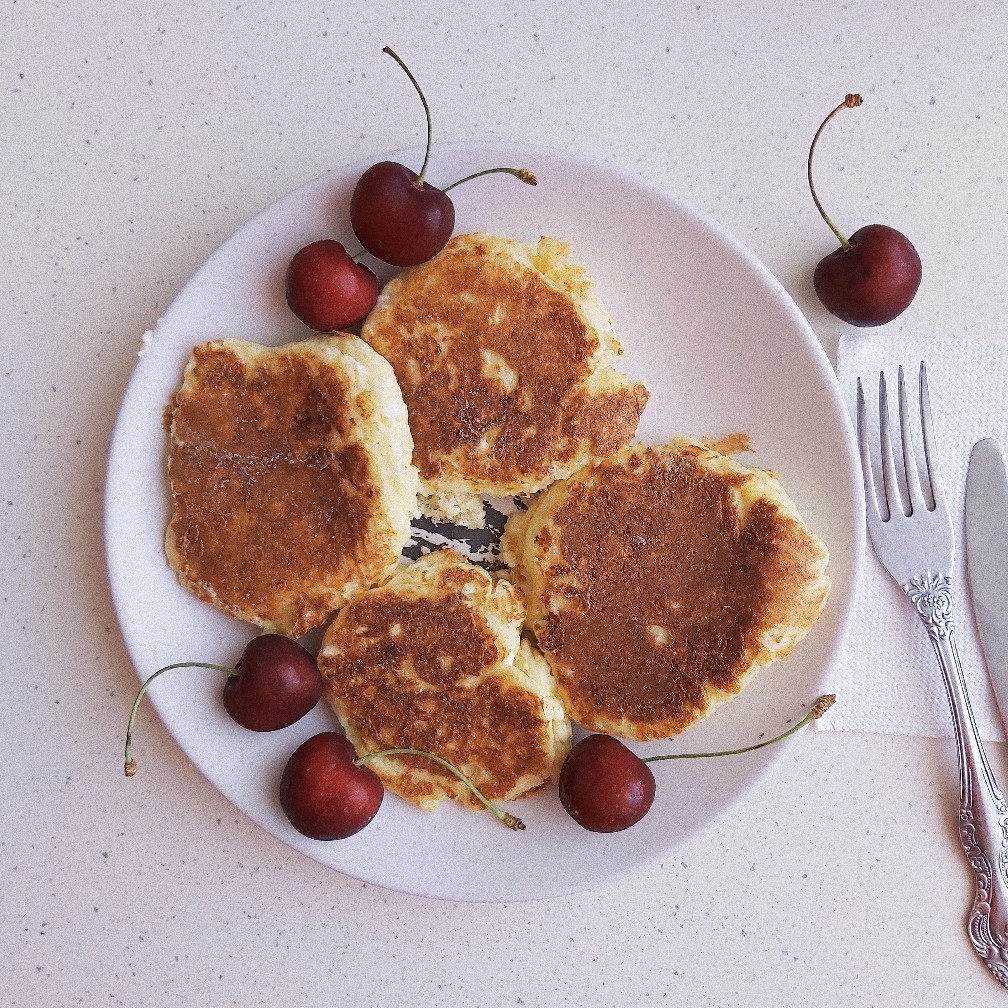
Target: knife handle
<point>983,812</point>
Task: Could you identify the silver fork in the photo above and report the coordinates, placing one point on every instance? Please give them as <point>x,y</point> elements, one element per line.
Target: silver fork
<point>910,528</point>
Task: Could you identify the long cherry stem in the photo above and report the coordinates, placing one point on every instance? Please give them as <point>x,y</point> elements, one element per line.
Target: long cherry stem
<point>426,108</point>
<point>129,764</point>
<point>850,101</point>
<point>519,173</point>
<point>511,821</point>
<point>819,708</point>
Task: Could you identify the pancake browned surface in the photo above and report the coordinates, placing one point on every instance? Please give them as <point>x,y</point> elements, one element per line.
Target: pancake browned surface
<point>660,580</point>
<point>291,483</point>
<point>502,351</point>
<point>434,660</point>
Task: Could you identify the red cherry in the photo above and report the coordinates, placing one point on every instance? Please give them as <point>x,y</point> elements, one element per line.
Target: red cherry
<point>276,683</point>
<point>398,218</point>
<point>604,786</point>
<point>327,289</point>
<point>872,280</point>
<point>875,274</point>
<point>324,794</point>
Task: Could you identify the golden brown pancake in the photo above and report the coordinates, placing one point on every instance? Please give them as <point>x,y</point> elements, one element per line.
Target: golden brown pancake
<point>433,660</point>
<point>291,483</point>
<point>659,580</point>
<point>502,351</point>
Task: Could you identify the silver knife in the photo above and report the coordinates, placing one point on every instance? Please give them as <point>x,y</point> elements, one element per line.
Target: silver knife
<point>987,559</point>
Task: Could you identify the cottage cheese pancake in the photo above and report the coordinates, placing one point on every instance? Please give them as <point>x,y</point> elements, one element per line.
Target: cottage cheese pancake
<point>660,580</point>
<point>502,351</point>
<point>291,483</point>
<point>434,660</point>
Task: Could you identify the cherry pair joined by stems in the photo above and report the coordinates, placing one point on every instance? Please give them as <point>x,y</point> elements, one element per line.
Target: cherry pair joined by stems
<point>605,787</point>
<point>875,274</point>
<point>397,216</point>
<point>326,791</point>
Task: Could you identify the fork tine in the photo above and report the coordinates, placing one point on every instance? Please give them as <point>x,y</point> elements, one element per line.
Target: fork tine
<point>934,476</point>
<point>871,497</point>
<point>894,502</point>
<point>913,485</point>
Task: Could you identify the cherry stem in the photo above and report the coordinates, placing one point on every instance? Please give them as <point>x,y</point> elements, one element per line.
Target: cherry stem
<point>129,764</point>
<point>360,255</point>
<point>819,708</point>
<point>511,821</point>
<point>519,173</point>
<point>850,101</point>
<point>423,170</point>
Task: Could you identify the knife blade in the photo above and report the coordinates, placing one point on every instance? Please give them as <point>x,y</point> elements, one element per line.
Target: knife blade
<point>987,559</point>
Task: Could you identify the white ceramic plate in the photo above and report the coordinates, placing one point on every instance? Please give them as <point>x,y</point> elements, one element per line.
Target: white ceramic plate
<point>722,348</point>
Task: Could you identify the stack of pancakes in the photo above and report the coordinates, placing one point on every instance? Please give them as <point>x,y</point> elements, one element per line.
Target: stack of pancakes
<point>650,581</point>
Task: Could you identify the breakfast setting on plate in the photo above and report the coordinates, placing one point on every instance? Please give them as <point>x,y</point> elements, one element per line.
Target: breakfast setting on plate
<point>505,543</point>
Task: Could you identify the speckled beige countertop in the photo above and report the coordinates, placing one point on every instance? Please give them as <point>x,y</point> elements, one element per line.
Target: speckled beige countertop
<point>135,139</point>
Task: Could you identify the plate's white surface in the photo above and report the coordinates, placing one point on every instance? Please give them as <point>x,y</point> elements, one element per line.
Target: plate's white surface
<point>721,347</point>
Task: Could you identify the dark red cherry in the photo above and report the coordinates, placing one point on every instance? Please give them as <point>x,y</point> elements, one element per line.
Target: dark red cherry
<point>605,787</point>
<point>397,215</point>
<point>327,288</point>
<point>324,794</point>
<point>875,274</point>
<point>399,219</point>
<point>276,683</point>
<point>871,281</point>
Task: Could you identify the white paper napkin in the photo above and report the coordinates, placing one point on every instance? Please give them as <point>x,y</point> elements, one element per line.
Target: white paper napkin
<point>888,679</point>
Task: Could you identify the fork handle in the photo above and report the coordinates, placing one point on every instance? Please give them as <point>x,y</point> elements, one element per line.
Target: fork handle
<point>983,812</point>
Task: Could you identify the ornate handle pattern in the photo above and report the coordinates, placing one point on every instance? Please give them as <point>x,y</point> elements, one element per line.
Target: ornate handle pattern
<point>983,812</point>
